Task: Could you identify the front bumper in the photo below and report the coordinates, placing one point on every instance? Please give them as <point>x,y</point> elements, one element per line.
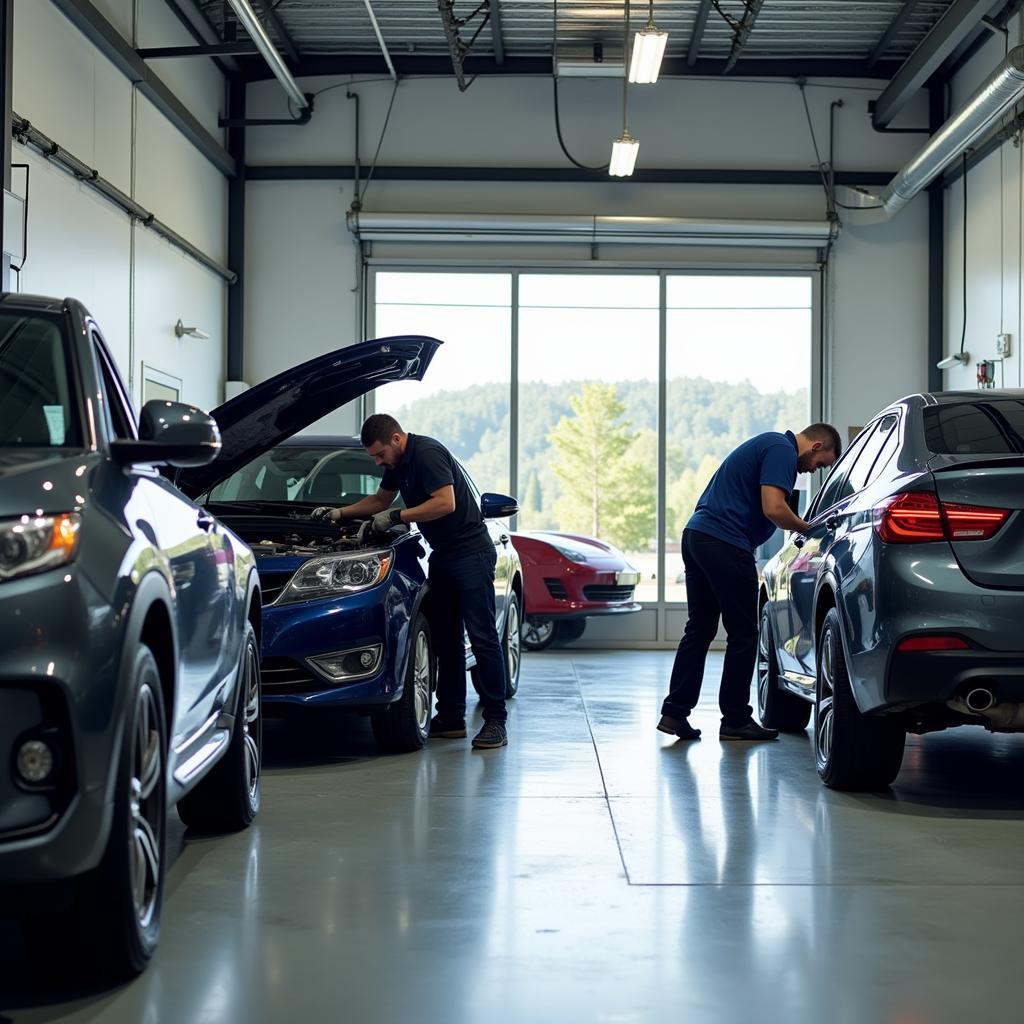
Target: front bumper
<point>59,661</point>
<point>292,633</point>
<point>555,592</point>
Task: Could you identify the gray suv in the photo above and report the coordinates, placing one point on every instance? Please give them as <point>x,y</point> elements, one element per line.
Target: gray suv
<point>901,610</point>
<point>129,645</point>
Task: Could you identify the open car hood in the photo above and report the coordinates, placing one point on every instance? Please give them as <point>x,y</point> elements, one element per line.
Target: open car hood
<point>276,409</point>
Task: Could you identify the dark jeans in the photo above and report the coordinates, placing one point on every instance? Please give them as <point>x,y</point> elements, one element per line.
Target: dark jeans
<point>462,595</point>
<point>721,580</point>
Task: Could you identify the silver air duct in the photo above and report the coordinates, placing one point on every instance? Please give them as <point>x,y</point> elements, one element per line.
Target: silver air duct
<point>258,34</point>
<point>1002,89</point>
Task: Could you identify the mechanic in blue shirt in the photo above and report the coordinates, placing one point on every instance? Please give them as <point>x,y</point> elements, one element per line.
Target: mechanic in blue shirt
<point>739,510</point>
<point>438,498</point>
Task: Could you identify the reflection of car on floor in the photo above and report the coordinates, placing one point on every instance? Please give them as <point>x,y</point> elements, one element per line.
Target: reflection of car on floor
<point>568,578</point>
<point>901,609</point>
<point>346,617</point>
<point>129,664</point>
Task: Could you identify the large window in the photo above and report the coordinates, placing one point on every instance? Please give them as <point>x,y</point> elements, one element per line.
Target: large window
<point>589,413</point>
<point>738,362</point>
<point>464,398</point>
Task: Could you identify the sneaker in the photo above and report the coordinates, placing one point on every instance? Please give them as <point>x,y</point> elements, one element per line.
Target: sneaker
<point>675,727</point>
<point>491,736</point>
<point>450,729</point>
<point>750,730</point>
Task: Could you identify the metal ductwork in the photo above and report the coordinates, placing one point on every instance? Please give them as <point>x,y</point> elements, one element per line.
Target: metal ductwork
<point>1002,89</point>
<point>258,34</point>
<point>539,228</point>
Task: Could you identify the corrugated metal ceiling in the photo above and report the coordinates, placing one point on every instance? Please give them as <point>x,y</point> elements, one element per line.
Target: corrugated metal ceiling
<point>819,29</point>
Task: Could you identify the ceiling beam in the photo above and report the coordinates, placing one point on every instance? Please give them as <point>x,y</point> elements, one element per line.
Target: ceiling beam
<point>497,33</point>
<point>241,46</point>
<point>201,29</point>
<point>677,67</point>
<point>699,24</point>
<point>959,21</point>
<point>694,176</point>
<point>894,29</point>
<point>961,57</point>
<point>116,49</point>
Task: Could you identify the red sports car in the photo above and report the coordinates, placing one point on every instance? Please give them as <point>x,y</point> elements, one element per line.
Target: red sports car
<point>568,577</point>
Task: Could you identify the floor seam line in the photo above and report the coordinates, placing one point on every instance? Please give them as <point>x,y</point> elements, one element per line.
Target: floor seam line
<point>600,769</point>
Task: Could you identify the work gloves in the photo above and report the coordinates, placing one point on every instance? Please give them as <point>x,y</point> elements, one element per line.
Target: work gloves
<point>383,521</point>
<point>323,512</point>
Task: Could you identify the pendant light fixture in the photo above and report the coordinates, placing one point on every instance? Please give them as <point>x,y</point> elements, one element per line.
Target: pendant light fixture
<point>625,147</point>
<point>648,50</point>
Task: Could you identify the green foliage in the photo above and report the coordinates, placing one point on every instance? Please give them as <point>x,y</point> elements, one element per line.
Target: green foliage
<point>706,420</point>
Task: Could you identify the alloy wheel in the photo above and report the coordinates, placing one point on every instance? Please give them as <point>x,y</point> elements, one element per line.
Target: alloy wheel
<point>513,642</point>
<point>146,807</point>
<point>824,707</point>
<point>252,725</point>
<point>421,681</point>
<point>764,655</point>
<point>537,632</point>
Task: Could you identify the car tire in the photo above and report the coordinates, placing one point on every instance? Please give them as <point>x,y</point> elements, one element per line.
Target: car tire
<point>405,725</point>
<point>570,629</point>
<point>111,927</point>
<point>538,633</point>
<point>776,708</point>
<point>227,798</point>
<point>512,644</point>
<point>511,648</point>
<point>852,751</point>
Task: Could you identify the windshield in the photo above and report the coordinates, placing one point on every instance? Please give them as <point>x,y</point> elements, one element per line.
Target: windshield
<point>300,473</point>
<point>36,408</point>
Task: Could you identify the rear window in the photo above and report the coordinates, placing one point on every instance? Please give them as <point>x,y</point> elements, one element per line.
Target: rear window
<point>976,428</point>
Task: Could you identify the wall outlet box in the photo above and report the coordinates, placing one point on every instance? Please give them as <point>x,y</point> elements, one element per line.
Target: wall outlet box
<point>1002,345</point>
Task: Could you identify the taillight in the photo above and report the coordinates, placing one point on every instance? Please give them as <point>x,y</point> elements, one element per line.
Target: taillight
<point>973,522</point>
<point>918,516</point>
<point>910,518</point>
<point>932,643</point>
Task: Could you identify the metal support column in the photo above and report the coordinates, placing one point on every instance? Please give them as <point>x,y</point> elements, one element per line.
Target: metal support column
<point>6,99</point>
<point>236,233</point>
<point>936,247</point>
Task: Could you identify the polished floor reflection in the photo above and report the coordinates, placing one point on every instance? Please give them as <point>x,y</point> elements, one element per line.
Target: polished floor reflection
<point>594,870</point>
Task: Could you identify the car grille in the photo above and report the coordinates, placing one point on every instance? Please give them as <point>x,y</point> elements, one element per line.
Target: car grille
<point>599,592</point>
<point>282,675</point>
<point>555,588</point>
<point>272,584</point>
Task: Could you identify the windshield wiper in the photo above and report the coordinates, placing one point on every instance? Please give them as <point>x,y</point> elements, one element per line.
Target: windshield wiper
<point>259,506</point>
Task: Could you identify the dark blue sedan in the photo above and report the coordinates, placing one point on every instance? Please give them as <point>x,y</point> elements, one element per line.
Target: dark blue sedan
<point>347,612</point>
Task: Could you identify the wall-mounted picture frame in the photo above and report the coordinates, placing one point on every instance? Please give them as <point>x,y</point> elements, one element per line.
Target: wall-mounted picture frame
<point>159,385</point>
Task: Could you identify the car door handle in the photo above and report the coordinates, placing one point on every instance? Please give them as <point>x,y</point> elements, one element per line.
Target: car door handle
<point>205,521</point>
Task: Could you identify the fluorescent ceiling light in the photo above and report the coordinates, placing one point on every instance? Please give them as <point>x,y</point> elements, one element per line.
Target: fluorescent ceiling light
<point>648,51</point>
<point>624,152</point>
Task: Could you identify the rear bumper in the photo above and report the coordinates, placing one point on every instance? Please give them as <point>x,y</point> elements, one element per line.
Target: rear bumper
<point>937,676</point>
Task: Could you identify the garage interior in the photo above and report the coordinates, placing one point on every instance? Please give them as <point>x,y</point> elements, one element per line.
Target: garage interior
<point>230,197</point>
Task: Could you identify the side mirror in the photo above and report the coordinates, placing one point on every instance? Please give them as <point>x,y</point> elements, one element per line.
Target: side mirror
<point>171,433</point>
<point>498,506</point>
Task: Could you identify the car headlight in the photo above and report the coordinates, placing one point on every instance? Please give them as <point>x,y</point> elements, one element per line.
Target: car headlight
<point>36,543</point>
<point>573,556</point>
<point>337,574</point>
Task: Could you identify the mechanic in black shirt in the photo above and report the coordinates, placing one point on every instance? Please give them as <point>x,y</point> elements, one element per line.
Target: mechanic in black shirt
<point>438,499</point>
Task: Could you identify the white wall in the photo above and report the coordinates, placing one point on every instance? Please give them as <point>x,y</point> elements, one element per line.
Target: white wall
<point>80,245</point>
<point>301,263</point>
<point>994,243</point>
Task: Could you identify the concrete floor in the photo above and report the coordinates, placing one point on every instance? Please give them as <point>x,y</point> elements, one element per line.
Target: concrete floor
<point>592,871</point>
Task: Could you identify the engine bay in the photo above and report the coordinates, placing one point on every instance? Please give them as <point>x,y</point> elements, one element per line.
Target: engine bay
<point>318,539</point>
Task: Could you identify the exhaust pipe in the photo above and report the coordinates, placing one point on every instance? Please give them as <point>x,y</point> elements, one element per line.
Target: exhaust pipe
<point>980,699</point>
